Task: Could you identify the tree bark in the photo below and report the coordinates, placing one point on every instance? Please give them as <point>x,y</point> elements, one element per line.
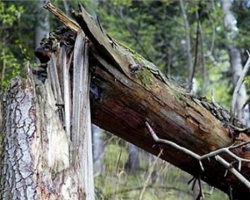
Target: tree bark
<point>17,167</point>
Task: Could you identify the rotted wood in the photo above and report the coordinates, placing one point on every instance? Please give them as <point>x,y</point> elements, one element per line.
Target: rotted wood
<point>123,99</point>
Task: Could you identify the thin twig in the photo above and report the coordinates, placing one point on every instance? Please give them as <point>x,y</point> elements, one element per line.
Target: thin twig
<point>158,140</point>
<point>201,194</point>
<point>183,149</point>
<point>149,176</point>
<point>208,155</point>
<point>238,85</point>
<point>196,156</point>
<point>233,171</point>
<point>238,145</point>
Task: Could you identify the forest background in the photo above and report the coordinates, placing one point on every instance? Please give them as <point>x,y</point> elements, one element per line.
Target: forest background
<point>200,45</point>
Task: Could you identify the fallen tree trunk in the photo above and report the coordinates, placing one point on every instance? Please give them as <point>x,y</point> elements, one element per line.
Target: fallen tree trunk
<point>129,91</point>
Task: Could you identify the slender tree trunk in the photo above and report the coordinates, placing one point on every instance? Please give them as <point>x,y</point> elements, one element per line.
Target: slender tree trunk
<point>229,20</point>
<point>236,63</point>
<point>98,149</point>
<point>133,162</point>
<point>66,7</point>
<point>42,23</point>
<point>188,45</point>
<point>236,68</point>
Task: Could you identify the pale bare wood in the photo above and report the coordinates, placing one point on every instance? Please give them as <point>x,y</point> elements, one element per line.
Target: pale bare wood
<point>54,77</point>
<point>81,119</point>
<point>66,90</point>
<point>62,17</point>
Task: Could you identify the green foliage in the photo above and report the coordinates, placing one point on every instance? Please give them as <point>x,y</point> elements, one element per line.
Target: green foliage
<point>9,14</point>
<point>13,67</point>
<point>247,81</point>
<point>10,65</point>
<point>122,2</point>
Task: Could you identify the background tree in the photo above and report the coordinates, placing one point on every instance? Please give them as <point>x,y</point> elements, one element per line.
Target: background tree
<point>41,23</point>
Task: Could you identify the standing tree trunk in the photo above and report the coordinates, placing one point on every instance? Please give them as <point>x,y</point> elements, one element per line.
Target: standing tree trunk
<point>133,162</point>
<point>17,166</point>
<point>240,111</point>
<point>98,150</point>
<point>42,23</point>
<point>188,46</point>
<point>43,156</point>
